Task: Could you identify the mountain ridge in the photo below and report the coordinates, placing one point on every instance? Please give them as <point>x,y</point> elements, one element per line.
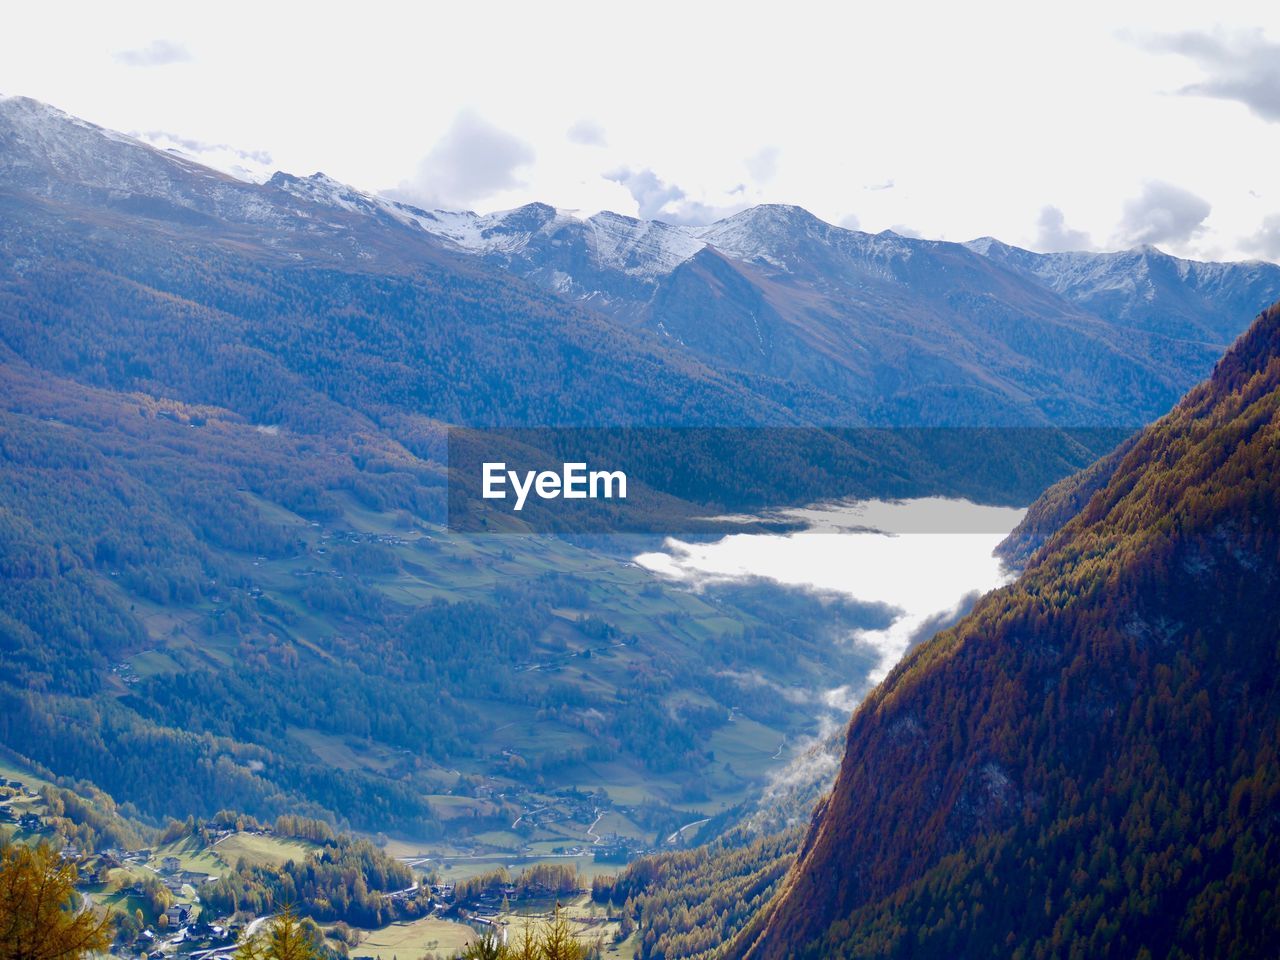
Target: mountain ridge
<point>743,235</point>
<point>870,328</point>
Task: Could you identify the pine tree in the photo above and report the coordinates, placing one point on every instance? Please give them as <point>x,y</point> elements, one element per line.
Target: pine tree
<point>527,948</point>
<point>37,921</point>
<point>488,946</point>
<point>558,941</point>
<point>287,940</point>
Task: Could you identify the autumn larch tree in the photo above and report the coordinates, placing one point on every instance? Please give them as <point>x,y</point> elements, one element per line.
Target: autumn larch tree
<point>39,914</point>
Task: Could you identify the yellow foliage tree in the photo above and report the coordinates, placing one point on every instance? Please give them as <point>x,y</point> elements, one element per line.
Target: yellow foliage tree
<point>287,939</point>
<point>558,941</point>
<point>488,946</point>
<point>527,947</point>
<point>38,919</point>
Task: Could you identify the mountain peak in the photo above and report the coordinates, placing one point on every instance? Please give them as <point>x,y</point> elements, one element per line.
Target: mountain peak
<point>775,215</point>
<point>49,122</point>
<point>767,233</point>
<point>320,188</point>
<point>529,217</point>
<point>989,246</point>
<point>14,105</point>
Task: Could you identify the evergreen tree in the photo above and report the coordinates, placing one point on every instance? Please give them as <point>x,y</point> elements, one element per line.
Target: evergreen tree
<point>527,948</point>
<point>287,939</point>
<point>558,941</point>
<point>488,946</point>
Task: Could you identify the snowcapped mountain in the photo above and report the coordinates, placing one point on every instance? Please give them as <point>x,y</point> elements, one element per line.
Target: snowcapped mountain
<point>791,239</point>
<point>1147,288</point>
<point>251,166</point>
<point>609,260</point>
<point>626,266</point>
<point>621,264</point>
<point>887,328</point>
<point>49,151</point>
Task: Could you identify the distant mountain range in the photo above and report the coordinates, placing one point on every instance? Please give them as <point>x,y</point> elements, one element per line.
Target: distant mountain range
<point>1085,765</point>
<point>767,316</point>
<point>907,330</point>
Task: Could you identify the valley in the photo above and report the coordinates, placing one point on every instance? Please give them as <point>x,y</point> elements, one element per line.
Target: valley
<point>252,657</point>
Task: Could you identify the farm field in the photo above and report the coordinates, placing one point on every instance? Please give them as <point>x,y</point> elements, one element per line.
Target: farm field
<point>402,941</point>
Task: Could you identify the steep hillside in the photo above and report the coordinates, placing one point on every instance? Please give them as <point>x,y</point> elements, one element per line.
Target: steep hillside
<point>1058,504</point>
<point>1087,764</point>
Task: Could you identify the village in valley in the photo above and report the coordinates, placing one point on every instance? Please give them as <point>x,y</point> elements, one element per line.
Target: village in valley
<point>162,893</point>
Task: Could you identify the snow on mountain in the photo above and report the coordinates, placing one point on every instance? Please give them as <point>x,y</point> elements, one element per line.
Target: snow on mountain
<point>33,131</point>
<point>44,148</point>
<point>56,132</point>
<point>251,166</point>
<point>1148,288</point>
<point>322,189</point>
<point>615,262</point>
<point>764,233</point>
<point>638,248</point>
<point>642,247</point>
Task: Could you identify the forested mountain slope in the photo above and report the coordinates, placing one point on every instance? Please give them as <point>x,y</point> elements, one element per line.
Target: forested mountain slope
<point>1087,764</point>
<point>198,613</point>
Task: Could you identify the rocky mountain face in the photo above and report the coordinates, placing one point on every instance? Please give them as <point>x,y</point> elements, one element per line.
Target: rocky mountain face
<point>1086,765</point>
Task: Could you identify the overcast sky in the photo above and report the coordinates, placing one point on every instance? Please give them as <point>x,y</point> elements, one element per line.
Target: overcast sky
<point>1050,126</point>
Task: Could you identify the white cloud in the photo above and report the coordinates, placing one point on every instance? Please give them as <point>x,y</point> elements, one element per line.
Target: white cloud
<point>164,139</point>
<point>763,165</point>
<point>1242,66</point>
<point>1054,236</point>
<point>1163,213</point>
<point>1082,137</point>
<point>658,200</point>
<point>588,133</point>
<point>158,53</point>
<point>650,193</point>
<point>472,161</point>
<point>252,165</point>
<point>1266,241</point>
